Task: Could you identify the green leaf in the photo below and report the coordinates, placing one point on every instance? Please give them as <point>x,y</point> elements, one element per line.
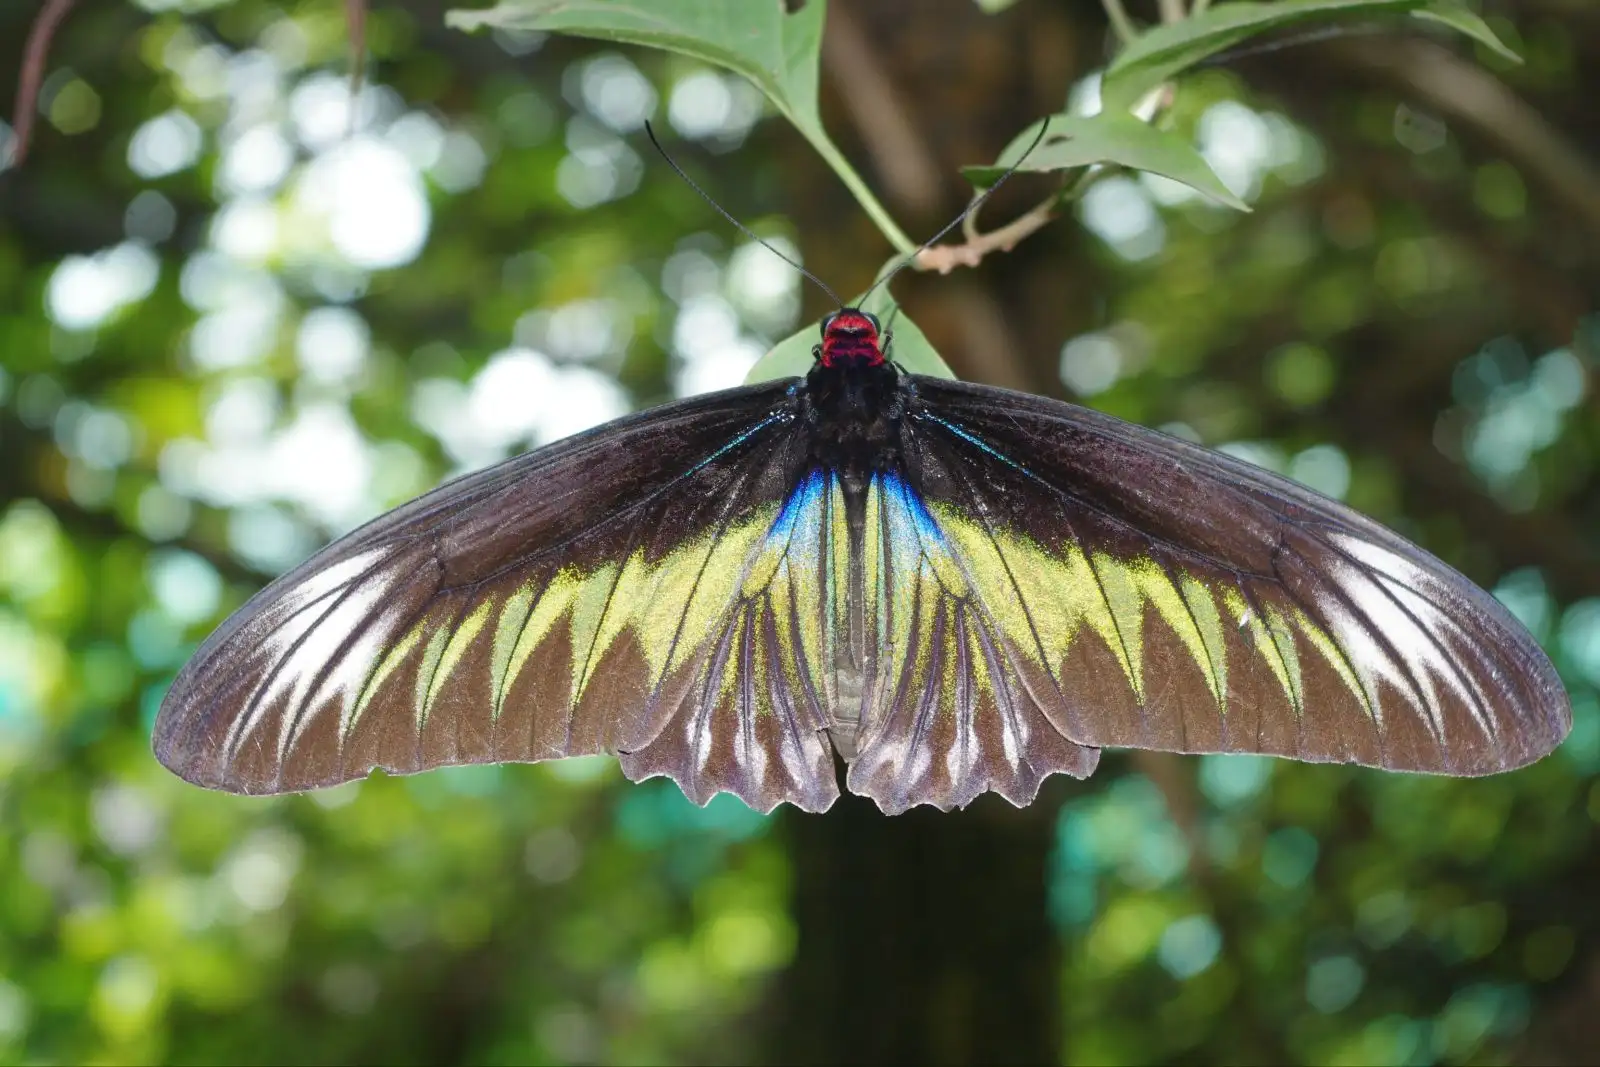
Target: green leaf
<point>789,358</point>
<point>1463,19</point>
<point>993,7</point>
<point>1109,137</point>
<point>776,49</point>
<point>913,351</point>
<point>1167,50</point>
<point>792,357</point>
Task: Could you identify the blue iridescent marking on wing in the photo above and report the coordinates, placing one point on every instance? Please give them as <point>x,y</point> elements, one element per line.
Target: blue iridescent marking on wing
<point>975,440</point>
<point>915,537</point>
<point>914,511</point>
<point>803,504</point>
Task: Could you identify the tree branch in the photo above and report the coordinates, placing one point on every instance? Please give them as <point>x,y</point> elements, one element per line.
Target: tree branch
<point>899,153</point>
<point>34,54</point>
<point>1475,98</point>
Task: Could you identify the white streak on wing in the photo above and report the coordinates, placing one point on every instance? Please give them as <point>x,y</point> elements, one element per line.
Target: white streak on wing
<point>320,647</point>
<point>1411,643</point>
<point>1384,561</point>
<point>300,610</point>
<point>1013,727</point>
<point>351,675</point>
<point>744,738</point>
<point>962,753</point>
<point>1416,587</point>
<point>330,579</point>
<point>699,737</point>
<point>1439,624</point>
<point>1365,655</point>
<point>744,741</point>
<point>281,637</point>
<point>918,766</point>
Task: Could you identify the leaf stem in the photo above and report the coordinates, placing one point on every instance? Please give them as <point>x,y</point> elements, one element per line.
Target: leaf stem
<point>1171,11</point>
<point>1120,22</point>
<point>858,188</point>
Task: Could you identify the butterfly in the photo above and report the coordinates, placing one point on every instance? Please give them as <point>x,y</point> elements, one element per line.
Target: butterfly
<point>953,588</point>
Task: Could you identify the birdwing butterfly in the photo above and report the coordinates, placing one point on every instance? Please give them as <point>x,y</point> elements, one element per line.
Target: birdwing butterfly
<point>956,588</point>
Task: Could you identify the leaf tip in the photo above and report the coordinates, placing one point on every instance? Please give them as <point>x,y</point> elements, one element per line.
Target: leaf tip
<point>466,19</point>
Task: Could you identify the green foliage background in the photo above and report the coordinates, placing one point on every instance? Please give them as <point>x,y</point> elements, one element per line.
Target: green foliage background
<point>1407,317</point>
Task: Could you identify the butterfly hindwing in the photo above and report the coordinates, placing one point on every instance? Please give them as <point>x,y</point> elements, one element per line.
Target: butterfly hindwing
<point>948,715</point>
<point>1153,594</point>
<point>754,722</point>
<point>614,593</point>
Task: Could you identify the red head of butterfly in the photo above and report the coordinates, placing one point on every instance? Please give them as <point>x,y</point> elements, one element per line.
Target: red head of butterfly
<point>851,338</point>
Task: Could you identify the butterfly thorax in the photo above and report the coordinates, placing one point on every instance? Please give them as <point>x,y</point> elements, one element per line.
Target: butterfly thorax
<point>853,415</point>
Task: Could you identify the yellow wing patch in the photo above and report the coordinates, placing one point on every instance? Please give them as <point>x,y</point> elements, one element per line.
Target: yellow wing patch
<point>1042,599</point>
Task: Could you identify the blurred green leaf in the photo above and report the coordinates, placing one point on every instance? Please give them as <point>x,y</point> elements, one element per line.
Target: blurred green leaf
<point>778,50</point>
<point>1109,137</point>
<point>1167,50</point>
<point>993,7</point>
<point>1459,17</point>
<point>792,357</point>
<point>555,913</point>
<point>789,358</point>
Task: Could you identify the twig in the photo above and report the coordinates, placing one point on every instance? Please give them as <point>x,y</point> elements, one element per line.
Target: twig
<point>1172,11</point>
<point>1120,22</point>
<point>971,315</point>
<point>946,258</point>
<point>969,224</point>
<point>44,28</point>
<point>355,21</point>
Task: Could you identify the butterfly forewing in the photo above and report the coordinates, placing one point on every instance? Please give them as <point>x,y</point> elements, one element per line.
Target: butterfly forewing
<point>1153,594</point>
<point>629,591</point>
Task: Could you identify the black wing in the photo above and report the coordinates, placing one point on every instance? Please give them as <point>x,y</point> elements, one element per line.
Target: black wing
<point>1149,593</point>
<point>628,590</point>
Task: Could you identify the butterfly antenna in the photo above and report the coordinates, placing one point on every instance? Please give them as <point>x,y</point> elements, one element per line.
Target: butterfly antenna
<point>741,227</point>
<point>959,219</point>
<point>894,313</point>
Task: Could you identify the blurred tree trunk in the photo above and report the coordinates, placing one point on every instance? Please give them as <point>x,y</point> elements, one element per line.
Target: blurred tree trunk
<point>925,938</point>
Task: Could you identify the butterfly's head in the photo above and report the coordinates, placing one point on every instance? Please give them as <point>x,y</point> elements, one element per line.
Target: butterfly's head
<point>851,338</point>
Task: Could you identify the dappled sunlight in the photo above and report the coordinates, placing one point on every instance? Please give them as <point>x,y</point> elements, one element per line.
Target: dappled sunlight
<point>253,305</point>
